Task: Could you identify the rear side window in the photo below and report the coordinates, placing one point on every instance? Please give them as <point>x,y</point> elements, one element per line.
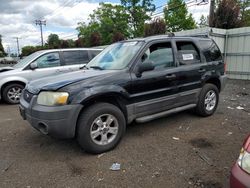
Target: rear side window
<point>210,50</point>
<point>187,53</point>
<point>94,53</point>
<point>75,57</point>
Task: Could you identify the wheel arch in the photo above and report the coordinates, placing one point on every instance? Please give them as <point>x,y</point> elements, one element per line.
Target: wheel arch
<point>112,98</point>
<point>11,82</point>
<point>215,81</point>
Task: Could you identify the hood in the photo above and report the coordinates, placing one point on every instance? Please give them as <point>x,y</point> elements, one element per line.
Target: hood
<point>54,83</point>
<point>4,69</point>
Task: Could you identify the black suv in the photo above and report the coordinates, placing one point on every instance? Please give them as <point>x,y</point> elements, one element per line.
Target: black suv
<point>139,79</point>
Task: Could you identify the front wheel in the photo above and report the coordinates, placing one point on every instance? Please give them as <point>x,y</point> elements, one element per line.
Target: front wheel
<point>100,128</point>
<point>208,100</point>
<point>12,93</point>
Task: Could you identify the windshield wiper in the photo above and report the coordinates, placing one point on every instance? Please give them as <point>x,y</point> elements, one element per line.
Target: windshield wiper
<point>84,67</point>
<point>96,67</point>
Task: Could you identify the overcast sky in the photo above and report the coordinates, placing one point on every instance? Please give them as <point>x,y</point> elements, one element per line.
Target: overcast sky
<point>17,18</point>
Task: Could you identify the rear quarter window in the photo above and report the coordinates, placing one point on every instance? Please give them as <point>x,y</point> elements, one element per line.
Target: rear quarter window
<point>210,50</point>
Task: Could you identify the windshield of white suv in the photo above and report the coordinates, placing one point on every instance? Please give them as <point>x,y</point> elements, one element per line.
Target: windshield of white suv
<point>115,57</point>
<point>23,62</point>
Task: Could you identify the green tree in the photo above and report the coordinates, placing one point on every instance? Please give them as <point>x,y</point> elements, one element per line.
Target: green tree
<point>227,15</point>
<point>2,53</point>
<point>139,11</point>
<point>53,41</point>
<point>27,50</point>
<point>177,17</point>
<point>245,12</point>
<point>105,22</point>
<point>156,27</point>
<point>203,21</point>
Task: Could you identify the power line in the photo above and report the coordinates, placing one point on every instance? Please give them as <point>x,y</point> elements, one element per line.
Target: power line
<point>69,3</point>
<point>41,23</point>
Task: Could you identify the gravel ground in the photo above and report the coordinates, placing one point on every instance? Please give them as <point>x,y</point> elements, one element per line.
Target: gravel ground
<point>181,150</point>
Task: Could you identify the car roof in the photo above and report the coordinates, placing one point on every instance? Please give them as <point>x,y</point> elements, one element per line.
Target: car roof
<point>158,37</point>
<point>70,49</point>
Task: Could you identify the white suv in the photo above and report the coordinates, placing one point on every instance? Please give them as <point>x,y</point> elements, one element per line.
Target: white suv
<point>39,65</point>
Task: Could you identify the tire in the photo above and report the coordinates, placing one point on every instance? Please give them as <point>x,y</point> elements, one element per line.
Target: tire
<point>95,119</point>
<point>12,93</point>
<point>203,107</point>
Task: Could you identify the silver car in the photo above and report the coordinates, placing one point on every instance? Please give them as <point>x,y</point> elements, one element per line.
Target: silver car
<point>39,65</point>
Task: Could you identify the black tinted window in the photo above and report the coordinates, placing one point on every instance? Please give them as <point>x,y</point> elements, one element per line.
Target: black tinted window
<point>94,53</point>
<point>187,53</point>
<point>210,50</point>
<point>75,57</point>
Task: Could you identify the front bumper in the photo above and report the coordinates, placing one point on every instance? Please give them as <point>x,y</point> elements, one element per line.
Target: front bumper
<point>57,121</point>
<point>239,178</point>
<point>223,81</point>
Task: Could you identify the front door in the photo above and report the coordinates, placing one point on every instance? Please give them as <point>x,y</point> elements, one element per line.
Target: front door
<point>48,64</point>
<point>154,91</point>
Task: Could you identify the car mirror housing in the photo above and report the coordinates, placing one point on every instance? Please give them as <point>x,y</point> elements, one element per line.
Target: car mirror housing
<point>145,66</point>
<point>33,65</point>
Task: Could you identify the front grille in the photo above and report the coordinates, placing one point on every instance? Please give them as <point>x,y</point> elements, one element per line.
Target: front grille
<point>27,96</point>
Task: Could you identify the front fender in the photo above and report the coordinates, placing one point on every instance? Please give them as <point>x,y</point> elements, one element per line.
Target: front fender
<point>89,93</point>
<point>12,79</point>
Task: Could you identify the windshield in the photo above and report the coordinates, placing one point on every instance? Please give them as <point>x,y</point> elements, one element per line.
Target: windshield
<point>115,57</point>
<point>23,62</point>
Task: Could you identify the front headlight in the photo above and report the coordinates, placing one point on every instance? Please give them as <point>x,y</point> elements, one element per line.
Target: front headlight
<point>244,160</point>
<point>52,98</point>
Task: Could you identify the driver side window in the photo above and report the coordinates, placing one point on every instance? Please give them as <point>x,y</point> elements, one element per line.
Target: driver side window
<point>48,60</point>
<point>160,54</point>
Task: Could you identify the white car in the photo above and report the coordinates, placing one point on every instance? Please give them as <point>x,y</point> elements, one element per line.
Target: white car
<point>39,65</point>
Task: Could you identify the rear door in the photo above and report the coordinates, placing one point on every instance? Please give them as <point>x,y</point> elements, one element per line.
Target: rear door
<point>192,69</point>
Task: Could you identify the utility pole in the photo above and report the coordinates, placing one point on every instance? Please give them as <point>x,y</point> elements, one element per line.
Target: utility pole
<point>41,23</point>
<point>17,44</point>
<point>211,12</point>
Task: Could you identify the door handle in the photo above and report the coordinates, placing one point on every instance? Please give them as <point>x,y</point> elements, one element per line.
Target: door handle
<point>202,70</point>
<point>170,76</point>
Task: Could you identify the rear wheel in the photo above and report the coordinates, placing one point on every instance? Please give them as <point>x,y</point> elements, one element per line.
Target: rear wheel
<point>100,128</point>
<point>208,100</point>
<point>12,93</point>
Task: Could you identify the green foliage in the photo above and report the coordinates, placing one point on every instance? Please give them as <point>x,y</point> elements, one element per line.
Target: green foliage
<point>177,17</point>
<point>245,12</point>
<point>138,11</point>
<point>203,21</point>
<point>105,22</point>
<point>27,50</point>
<point>53,41</point>
<point>227,15</point>
<point>156,27</point>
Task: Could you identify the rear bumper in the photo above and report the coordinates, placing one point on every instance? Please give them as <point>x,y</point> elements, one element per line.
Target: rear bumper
<point>223,81</point>
<point>239,178</point>
<point>57,121</point>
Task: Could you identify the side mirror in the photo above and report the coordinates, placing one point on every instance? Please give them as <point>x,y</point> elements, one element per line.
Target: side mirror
<point>33,65</point>
<point>145,66</point>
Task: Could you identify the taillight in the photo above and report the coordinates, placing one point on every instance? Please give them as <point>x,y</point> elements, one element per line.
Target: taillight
<point>225,66</point>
